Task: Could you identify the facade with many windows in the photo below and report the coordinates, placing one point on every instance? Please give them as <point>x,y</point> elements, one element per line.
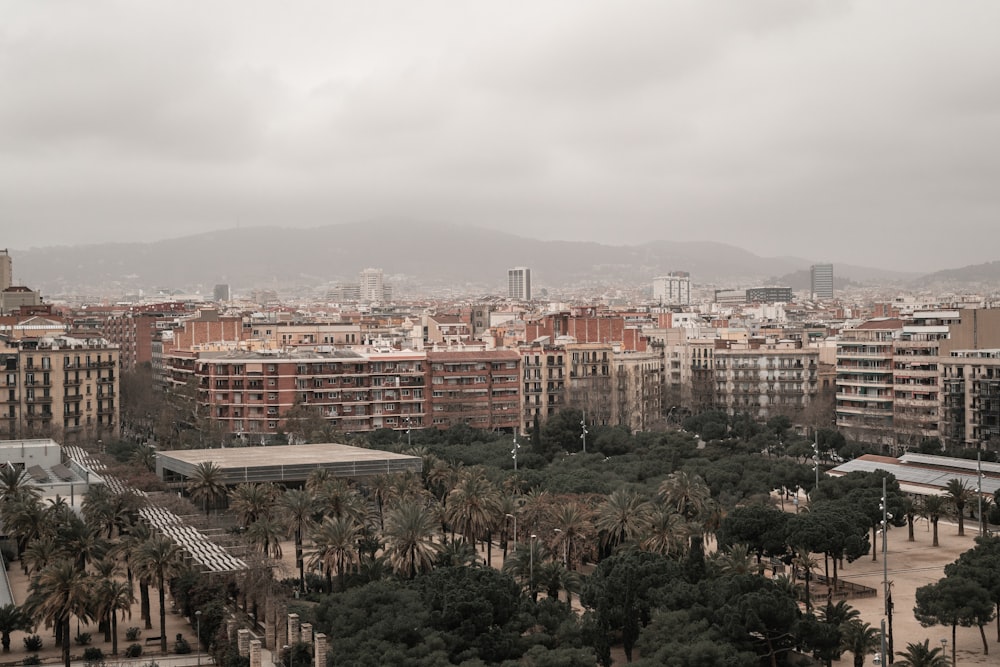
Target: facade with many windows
<point>59,386</point>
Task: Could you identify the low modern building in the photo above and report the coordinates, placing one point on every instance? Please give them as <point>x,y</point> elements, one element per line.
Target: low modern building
<point>48,469</point>
<point>286,464</point>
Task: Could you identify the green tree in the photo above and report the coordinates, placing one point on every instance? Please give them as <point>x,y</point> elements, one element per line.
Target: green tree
<point>933,507</point>
<point>409,535</point>
<point>12,619</point>
<point>114,596</point>
<point>860,639</point>
<point>473,508</point>
<point>296,507</point>
<point>761,527</point>
<point>981,564</point>
<point>622,517</point>
<point>954,601</point>
<point>59,592</point>
<point>206,485</point>
<point>922,655</point>
<point>336,542</point>
<point>958,494</point>
<point>159,560</point>
<point>621,592</point>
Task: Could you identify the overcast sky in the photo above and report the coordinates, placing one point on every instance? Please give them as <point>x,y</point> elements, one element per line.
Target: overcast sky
<point>862,132</point>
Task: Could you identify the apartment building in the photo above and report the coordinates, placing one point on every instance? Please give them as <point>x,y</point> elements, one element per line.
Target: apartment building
<point>673,289</point>
<point>821,281</point>
<point>764,379</point>
<point>519,283</point>
<point>253,392</point>
<point>478,388</point>
<point>59,385</point>
<point>544,377</point>
<point>917,400</point>
<point>865,381</point>
<point>971,398</point>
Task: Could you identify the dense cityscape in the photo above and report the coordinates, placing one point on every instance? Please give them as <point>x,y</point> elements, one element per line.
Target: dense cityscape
<point>700,422</point>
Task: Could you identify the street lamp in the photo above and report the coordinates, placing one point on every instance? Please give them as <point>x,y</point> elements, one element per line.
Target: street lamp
<point>514,452</point>
<point>944,649</point>
<point>565,548</point>
<point>583,436</point>
<point>288,651</point>
<point>979,491</point>
<point>514,517</point>
<point>407,420</point>
<point>197,616</point>
<point>816,457</point>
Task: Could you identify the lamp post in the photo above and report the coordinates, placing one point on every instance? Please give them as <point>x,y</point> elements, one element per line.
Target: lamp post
<point>407,420</point>
<point>565,548</point>
<point>514,517</point>
<point>514,452</point>
<point>583,436</point>
<point>288,651</point>
<point>197,617</point>
<point>944,649</point>
<point>816,457</point>
<point>979,491</point>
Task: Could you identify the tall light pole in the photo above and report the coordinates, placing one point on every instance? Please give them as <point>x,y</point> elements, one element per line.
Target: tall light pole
<point>886,584</point>
<point>514,453</point>
<point>407,420</point>
<point>197,616</point>
<point>816,457</point>
<point>583,426</point>
<point>565,548</point>
<point>514,517</point>
<point>979,491</point>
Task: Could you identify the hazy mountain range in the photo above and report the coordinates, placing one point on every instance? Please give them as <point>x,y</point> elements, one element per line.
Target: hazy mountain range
<point>428,253</point>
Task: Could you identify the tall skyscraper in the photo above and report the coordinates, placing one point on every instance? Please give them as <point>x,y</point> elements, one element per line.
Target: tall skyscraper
<point>519,283</point>
<point>6,270</point>
<point>372,286</point>
<point>821,280</point>
<point>673,289</point>
<point>222,292</point>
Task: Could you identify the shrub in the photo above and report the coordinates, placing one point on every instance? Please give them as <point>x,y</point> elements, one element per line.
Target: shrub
<point>33,643</point>
<point>31,660</point>
<point>133,651</point>
<point>82,638</point>
<point>181,646</point>
<point>133,633</point>
<point>93,656</point>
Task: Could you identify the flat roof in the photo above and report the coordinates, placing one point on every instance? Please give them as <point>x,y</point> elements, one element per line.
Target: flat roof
<point>291,463</point>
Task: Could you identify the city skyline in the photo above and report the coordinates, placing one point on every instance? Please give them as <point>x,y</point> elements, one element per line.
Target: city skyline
<point>868,131</point>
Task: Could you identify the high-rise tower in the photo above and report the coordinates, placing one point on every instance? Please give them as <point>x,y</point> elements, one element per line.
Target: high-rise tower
<point>821,281</point>
<point>519,283</point>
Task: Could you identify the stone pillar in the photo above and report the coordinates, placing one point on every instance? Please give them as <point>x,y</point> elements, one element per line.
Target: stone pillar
<point>307,633</point>
<point>270,621</point>
<point>294,631</point>
<point>281,626</point>
<point>255,657</point>
<point>231,629</point>
<point>243,641</point>
<point>320,650</point>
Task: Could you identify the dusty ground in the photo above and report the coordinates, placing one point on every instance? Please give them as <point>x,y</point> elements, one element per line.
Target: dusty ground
<point>910,566</point>
<point>51,653</point>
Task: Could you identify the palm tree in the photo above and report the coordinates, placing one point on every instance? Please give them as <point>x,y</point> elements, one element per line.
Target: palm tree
<point>23,518</point>
<point>409,537</point>
<point>922,655</point>
<point>666,532</point>
<point>860,639</point>
<point>336,542</point>
<point>473,508</point>
<point>114,596</point>
<point>688,494</point>
<point>958,494</point>
<point>144,457</point>
<point>838,614</point>
<point>265,533</point>
<point>296,506</point>
<point>159,559</point>
<point>804,560</point>
<point>573,527</point>
<point>82,541</point>
<point>57,593</point>
<point>623,517</point>
<point>128,547</point>
<point>738,559</point>
<point>525,563</point>
<point>251,501</point>
<point>12,619</point>
<point>933,507</point>
<point>206,485</point>
<point>14,482</point>
<point>41,552</point>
